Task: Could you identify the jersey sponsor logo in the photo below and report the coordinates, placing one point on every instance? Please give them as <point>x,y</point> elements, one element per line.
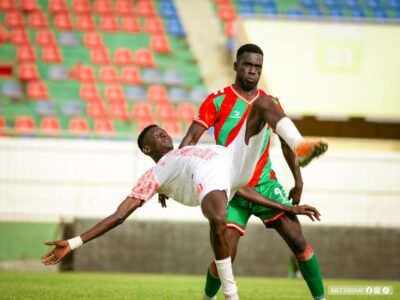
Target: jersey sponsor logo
<point>235,115</point>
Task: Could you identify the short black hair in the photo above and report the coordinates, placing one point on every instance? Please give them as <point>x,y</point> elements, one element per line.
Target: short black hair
<point>252,48</point>
<point>143,134</point>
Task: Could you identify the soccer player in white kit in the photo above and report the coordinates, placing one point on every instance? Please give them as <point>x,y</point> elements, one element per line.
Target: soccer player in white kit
<point>206,176</point>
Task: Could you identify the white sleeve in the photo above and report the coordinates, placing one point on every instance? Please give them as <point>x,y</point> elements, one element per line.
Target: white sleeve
<point>146,187</point>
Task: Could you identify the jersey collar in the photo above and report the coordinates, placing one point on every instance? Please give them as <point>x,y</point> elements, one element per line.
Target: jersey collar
<point>244,98</point>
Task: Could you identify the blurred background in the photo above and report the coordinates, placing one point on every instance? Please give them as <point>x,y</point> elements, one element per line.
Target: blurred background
<point>79,79</point>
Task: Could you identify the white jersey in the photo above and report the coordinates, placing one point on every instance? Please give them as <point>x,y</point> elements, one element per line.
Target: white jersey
<point>188,174</point>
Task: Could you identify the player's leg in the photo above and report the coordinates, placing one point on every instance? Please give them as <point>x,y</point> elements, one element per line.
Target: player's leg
<point>213,206</point>
<point>263,111</point>
<point>290,229</point>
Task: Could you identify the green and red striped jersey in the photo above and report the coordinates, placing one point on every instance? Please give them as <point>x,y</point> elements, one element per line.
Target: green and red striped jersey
<point>226,111</point>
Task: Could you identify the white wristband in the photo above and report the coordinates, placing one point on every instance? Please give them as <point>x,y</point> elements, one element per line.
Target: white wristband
<point>75,242</point>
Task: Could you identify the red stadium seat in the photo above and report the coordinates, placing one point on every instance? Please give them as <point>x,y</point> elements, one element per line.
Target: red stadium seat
<point>78,126</point>
<point>123,57</point>
<point>104,128</point>
<point>45,37</point>
<point>26,53</point>
<point>57,6</point>
<point>146,9</point>
<point>230,28</point>
<point>37,20</point>
<point>124,7</point>
<point>63,21</point>
<point>93,40</point>
<point>114,93</point>
<point>28,72</point>
<point>52,55</point>
<point>131,75</point>
<point>50,126</point>
<point>227,13</point>
<point>14,19</point>
<point>3,126</point>
<point>186,112</point>
<point>165,112</point>
<point>96,110</point>
<point>142,111</point>
<point>119,111</point>
<point>157,94</point>
<point>37,90</point>
<point>19,36</point>
<point>130,24</point>
<point>7,5</point>
<point>89,92</point>
<point>154,26</point>
<point>108,74</point>
<point>160,44</point>
<point>81,6</point>
<point>102,7</point>
<point>172,128</point>
<point>28,5</point>
<point>85,22</point>
<point>144,58</point>
<point>82,73</point>
<point>100,56</point>
<point>25,125</point>
<point>109,23</point>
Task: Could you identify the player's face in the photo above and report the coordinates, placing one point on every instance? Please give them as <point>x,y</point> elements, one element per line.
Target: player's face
<point>248,69</point>
<point>159,140</point>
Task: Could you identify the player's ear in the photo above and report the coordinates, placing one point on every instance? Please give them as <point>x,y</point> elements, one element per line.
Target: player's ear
<point>146,150</point>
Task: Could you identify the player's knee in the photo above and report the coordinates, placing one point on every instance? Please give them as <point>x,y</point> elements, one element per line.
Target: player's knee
<point>218,224</point>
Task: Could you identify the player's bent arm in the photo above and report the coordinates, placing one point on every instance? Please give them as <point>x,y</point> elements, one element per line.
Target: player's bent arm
<point>255,197</point>
<point>289,156</point>
<point>193,135</point>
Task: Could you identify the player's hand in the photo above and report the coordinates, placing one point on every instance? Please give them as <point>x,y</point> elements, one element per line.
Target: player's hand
<point>162,200</point>
<point>55,255</point>
<point>307,210</point>
<point>295,194</point>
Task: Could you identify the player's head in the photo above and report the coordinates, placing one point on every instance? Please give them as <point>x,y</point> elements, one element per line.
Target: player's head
<point>154,141</point>
<point>248,66</point>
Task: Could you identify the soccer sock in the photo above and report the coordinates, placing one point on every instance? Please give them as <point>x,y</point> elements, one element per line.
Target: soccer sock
<point>212,284</point>
<point>225,273</point>
<point>288,131</point>
<point>309,268</point>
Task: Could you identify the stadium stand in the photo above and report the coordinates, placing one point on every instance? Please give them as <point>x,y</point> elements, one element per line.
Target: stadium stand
<point>89,63</point>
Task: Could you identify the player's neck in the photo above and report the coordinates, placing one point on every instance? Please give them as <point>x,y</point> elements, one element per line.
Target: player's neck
<point>158,155</point>
<point>245,94</point>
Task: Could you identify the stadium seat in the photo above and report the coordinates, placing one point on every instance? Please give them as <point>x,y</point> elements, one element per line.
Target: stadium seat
<point>119,111</point>
<point>270,10</point>
<point>173,77</point>
<point>175,27</point>
<point>165,112</point>
<point>81,6</point>
<point>85,22</point>
<point>335,13</point>
<point>172,127</point>
<point>68,39</point>
<point>83,73</point>
<point>379,13</point>
<point>108,23</point>
<point>157,94</point>
<point>135,93</point>
<point>96,110</point>
<point>294,12</point>
<point>131,75</point>
<point>12,89</point>
<point>230,29</point>
<point>45,37</point>
<point>14,19</point>
<point>177,95</point>
<point>357,13</point>
<point>100,56</point>
<point>102,7</point>
<point>72,108</point>
<point>57,72</point>
<point>393,4</point>
<point>108,74</point>
<point>28,72</point>
<point>309,4</point>
<point>154,25</point>
<point>227,13</point>
<point>57,6</point>
<point>6,5</point>
<point>144,58</point>
<point>26,53</point>
<point>19,36</point>
<point>37,20</point>
<point>160,44</point>
<point>130,24</point>
<point>198,94</point>
<point>104,128</point>
<point>45,108</point>
<point>93,39</point>
<point>186,112</point>
<point>89,92</point>
<point>146,9</point>
<point>141,112</point>
<point>167,9</point>
<point>123,57</point>
<point>332,4</point>
<point>152,76</point>
<point>247,9</point>
<point>3,126</point>
<point>51,55</point>
<point>114,93</point>
<point>350,4</point>
<point>124,7</point>
<point>63,21</point>
<point>25,125</point>
<point>50,126</point>
<point>37,90</point>
<point>78,126</point>
<point>315,12</point>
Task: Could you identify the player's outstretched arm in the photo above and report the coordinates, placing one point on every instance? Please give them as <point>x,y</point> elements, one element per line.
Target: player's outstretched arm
<point>63,247</point>
<point>253,196</point>
<point>193,135</point>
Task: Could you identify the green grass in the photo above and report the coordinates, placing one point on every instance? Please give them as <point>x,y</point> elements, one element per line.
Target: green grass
<point>161,287</point>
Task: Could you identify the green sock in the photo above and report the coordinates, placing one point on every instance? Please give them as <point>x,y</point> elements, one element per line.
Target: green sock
<point>312,275</point>
<point>212,285</point>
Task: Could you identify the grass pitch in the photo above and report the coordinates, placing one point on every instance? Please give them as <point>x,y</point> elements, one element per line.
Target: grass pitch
<point>59,286</point>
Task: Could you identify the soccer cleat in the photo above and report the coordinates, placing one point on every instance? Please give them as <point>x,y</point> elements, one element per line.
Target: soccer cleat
<point>205,297</point>
<point>306,151</point>
<point>233,297</point>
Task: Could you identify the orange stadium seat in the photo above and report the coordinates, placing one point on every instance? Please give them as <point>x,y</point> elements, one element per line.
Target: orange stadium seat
<point>14,19</point>
<point>119,111</point>
<point>93,39</point>
<point>172,127</point>
<point>7,5</point>
<point>78,126</point>
<point>19,36</point>
<point>82,73</point>
<point>3,126</point>
<point>108,74</point>
<point>45,37</point>
<point>100,56</point>
<point>124,7</point>
<point>227,13</point>
<point>104,128</point>
<point>26,53</point>
<point>28,5</point>
<point>89,92</point>
<point>52,54</point>
<point>154,25</point>
<point>81,6</point>
<point>37,20</point>
<point>230,28</point>
<point>123,57</point>
<point>50,125</point>
<point>160,44</point>
<point>130,24</point>
<point>142,111</point>
<point>96,110</point>
<point>186,112</point>
<point>114,93</point>
<point>146,8</point>
<point>37,90</point>
<point>85,22</point>
<point>63,21</point>
<point>102,7</point>
<point>157,94</point>
<point>144,58</point>
<point>109,23</point>
<point>57,6</point>
<point>165,112</point>
<point>28,72</point>
<point>131,75</point>
<point>25,125</point>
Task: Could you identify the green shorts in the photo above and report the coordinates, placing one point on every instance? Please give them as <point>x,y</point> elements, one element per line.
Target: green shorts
<point>240,210</point>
